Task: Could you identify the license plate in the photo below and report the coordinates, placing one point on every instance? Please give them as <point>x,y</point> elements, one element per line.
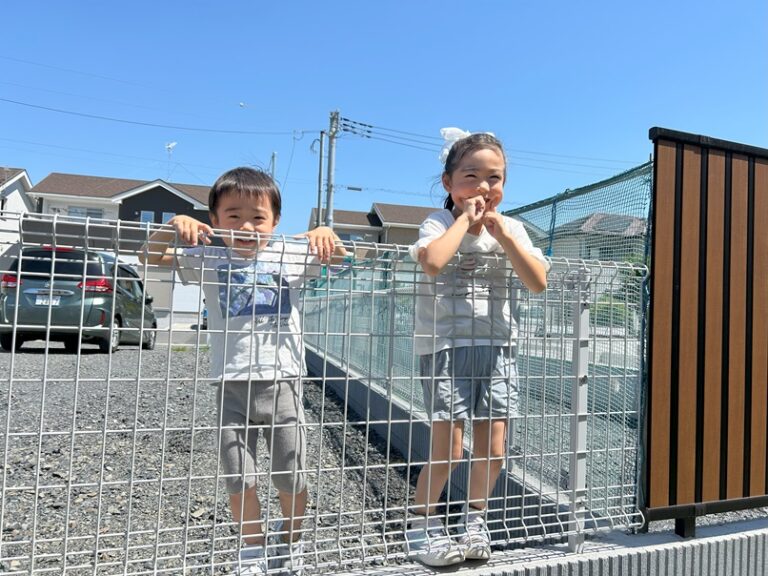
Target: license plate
<point>47,300</point>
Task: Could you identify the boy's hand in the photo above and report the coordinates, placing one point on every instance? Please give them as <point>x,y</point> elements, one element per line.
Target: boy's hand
<point>322,241</point>
<point>190,230</point>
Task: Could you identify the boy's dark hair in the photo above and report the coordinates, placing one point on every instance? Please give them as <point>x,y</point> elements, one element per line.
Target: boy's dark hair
<point>245,181</point>
<point>472,143</point>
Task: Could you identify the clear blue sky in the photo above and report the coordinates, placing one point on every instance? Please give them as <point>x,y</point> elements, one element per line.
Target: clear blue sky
<point>571,88</point>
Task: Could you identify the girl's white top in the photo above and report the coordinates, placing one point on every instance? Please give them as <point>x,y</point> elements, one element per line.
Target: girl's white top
<point>470,302</point>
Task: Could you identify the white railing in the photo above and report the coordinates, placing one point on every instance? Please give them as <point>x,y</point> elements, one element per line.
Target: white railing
<point>110,459</point>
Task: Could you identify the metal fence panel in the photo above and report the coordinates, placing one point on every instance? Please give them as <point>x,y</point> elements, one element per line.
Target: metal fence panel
<point>110,457</point>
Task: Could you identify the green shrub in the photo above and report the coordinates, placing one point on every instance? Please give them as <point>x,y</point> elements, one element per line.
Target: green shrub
<point>607,313</point>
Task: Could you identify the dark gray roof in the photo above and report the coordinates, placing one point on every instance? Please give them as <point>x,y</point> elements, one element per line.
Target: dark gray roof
<point>101,187</point>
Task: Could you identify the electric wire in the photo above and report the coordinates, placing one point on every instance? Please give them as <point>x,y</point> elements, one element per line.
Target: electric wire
<point>151,124</point>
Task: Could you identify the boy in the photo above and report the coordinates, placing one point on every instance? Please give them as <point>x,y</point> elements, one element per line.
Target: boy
<point>252,291</point>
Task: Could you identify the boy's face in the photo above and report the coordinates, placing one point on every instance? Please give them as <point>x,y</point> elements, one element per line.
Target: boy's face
<point>248,217</point>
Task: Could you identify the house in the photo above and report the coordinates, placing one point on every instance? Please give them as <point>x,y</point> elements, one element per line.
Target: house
<point>383,223</point>
<point>601,236</point>
<point>14,200</point>
<point>153,201</point>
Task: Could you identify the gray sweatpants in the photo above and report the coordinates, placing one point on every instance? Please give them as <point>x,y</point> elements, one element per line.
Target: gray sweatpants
<point>276,409</point>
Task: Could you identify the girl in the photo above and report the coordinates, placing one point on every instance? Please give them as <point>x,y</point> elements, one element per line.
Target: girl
<point>466,339</point>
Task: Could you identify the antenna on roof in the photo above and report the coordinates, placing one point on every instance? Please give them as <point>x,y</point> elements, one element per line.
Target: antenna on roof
<point>169,148</point>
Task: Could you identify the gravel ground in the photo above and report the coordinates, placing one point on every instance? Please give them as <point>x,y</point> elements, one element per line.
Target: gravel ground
<point>140,471</point>
<point>125,473</point>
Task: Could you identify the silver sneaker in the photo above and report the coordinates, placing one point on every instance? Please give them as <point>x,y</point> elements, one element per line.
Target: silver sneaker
<point>286,558</point>
<point>476,540</point>
<point>252,562</point>
<point>429,543</point>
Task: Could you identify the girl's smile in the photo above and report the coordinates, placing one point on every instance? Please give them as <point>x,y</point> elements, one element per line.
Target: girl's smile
<point>480,173</point>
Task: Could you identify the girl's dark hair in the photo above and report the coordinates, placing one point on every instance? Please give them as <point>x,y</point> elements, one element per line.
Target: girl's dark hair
<point>245,181</point>
<point>472,143</point>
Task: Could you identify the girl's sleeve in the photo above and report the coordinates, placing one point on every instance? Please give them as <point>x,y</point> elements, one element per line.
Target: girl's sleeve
<point>433,227</point>
<point>521,237</point>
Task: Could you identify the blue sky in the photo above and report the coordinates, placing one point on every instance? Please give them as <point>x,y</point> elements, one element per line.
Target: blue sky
<point>571,88</point>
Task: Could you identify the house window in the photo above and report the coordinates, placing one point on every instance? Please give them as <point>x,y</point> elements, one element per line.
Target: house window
<point>167,216</point>
<point>83,212</point>
<point>147,216</point>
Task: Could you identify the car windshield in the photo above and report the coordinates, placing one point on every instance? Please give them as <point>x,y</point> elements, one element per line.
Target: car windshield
<point>41,263</point>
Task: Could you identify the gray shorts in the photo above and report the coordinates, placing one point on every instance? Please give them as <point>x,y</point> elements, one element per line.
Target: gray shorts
<point>275,408</point>
<point>470,382</point>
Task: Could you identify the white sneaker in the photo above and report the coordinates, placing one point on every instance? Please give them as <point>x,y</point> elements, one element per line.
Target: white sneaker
<point>252,561</point>
<point>287,559</point>
<point>476,540</point>
<point>429,543</point>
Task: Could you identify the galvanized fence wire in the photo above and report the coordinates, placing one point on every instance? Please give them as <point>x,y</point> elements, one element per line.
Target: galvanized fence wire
<point>111,447</point>
<point>375,299</point>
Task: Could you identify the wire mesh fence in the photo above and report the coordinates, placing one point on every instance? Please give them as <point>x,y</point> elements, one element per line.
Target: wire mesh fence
<point>111,429</point>
<point>605,221</point>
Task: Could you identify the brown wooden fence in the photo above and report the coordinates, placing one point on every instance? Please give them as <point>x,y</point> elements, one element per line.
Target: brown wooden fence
<point>706,437</point>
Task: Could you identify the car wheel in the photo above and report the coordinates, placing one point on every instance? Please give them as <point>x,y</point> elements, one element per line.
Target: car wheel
<point>6,342</point>
<point>70,344</point>
<point>149,344</point>
<point>112,343</point>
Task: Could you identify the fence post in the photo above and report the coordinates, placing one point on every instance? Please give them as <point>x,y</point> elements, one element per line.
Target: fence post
<point>577,475</point>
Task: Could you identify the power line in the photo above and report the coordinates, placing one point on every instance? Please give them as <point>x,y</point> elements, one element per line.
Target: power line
<point>150,124</point>
<point>429,195</point>
<point>371,126</point>
<point>72,71</point>
<point>369,130</point>
<point>96,98</point>
<point>72,149</point>
<point>403,144</point>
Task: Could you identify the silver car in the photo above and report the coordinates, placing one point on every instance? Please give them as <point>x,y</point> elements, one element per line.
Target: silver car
<point>70,295</point>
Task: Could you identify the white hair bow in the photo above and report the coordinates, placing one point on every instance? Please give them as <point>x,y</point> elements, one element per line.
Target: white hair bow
<point>451,136</point>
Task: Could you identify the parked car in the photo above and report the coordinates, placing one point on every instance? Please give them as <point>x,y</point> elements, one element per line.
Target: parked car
<point>69,295</point>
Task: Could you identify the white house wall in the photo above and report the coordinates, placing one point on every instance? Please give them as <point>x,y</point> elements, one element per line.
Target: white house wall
<point>111,211</point>
<point>14,204</point>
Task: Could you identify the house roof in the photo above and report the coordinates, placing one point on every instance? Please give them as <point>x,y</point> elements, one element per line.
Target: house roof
<point>535,232</point>
<point>101,187</point>
<point>605,225</point>
<point>394,214</point>
<point>8,174</point>
<point>347,218</point>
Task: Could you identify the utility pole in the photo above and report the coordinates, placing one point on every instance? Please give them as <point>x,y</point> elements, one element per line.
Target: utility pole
<point>334,128</point>
<point>319,215</point>
<point>273,165</point>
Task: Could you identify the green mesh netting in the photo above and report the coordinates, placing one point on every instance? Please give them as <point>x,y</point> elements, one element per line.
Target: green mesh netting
<point>603,221</point>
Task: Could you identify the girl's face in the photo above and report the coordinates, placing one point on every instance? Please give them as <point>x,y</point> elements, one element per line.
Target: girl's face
<point>479,173</point>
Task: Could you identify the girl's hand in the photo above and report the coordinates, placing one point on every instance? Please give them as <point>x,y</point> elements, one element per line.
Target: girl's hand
<point>474,208</point>
<point>494,223</point>
<point>190,230</point>
<point>322,241</point>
